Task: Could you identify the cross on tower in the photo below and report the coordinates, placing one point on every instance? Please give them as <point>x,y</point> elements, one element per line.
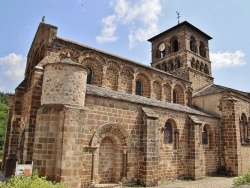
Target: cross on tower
<point>178,16</point>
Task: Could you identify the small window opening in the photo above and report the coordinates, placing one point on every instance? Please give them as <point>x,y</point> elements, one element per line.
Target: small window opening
<point>175,46</point>
<point>175,97</point>
<point>178,63</point>
<point>89,75</point>
<point>138,88</point>
<point>168,133</point>
<point>202,50</point>
<point>204,135</point>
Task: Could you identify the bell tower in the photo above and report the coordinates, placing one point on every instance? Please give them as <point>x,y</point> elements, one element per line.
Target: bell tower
<point>183,51</point>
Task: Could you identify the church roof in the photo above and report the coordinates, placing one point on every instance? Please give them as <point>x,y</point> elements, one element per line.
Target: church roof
<point>185,23</point>
<point>213,89</point>
<point>119,95</point>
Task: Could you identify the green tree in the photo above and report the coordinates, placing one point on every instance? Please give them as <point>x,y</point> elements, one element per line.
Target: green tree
<point>4,98</point>
<point>3,117</point>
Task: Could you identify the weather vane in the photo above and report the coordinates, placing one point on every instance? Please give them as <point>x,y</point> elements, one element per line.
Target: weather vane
<point>178,16</point>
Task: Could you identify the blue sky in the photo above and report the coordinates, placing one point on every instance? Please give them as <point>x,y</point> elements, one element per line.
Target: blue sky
<point>122,27</point>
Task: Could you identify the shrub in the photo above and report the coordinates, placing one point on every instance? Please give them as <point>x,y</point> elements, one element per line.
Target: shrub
<point>30,181</point>
<point>243,179</point>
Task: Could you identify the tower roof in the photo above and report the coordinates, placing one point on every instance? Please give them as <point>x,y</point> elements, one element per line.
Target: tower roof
<point>185,23</point>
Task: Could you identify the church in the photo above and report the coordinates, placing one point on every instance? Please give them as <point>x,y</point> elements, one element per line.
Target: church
<point>88,117</point>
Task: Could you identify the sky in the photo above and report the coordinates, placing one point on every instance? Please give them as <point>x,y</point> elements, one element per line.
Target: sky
<point>122,27</point>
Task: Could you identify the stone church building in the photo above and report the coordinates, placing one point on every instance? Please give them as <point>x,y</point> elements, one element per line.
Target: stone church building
<point>87,117</point>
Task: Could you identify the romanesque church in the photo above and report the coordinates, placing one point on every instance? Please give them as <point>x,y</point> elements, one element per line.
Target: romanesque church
<point>88,117</point>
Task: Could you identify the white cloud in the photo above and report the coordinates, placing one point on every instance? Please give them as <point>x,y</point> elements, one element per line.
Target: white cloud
<point>107,33</point>
<point>12,68</point>
<point>227,59</point>
<point>140,16</point>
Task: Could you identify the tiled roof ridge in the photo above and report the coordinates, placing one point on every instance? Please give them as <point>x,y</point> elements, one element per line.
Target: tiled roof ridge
<point>202,89</point>
<point>215,88</point>
<point>120,95</point>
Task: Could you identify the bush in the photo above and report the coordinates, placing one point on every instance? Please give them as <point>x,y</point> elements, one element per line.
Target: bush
<point>243,179</point>
<point>30,181</point>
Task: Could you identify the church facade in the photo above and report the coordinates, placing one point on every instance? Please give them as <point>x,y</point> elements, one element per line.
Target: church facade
<point>87,117</point>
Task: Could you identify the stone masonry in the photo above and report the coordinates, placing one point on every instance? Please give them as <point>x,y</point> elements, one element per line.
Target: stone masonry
<point>87,117</point>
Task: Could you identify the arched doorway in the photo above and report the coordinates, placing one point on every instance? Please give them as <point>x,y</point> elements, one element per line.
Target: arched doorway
<point>112,142</point>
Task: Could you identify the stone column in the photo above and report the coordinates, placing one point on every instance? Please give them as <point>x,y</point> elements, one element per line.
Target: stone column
<point>163,95</point>
<point>133,86</point>
<point>104,77</point>
<point>124,164</point>
<point>93,165</point>
<point>241,131</point>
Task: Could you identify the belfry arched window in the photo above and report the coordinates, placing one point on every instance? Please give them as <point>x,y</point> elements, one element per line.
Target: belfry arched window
<point>175,96</point>
<point>171,65</point>
<point>193,44</point>
<point>202,49</point>
<point>138,87</point>
<point>174,45</point>
<point>197,65</point>
<point>89,75</point>
<point>158,66</point>
<point>178,63</point>
<point>201,67</point>
<point>193,63</point>
<point>164,66</point>
<point>168,133</point>
<point>206,71</point>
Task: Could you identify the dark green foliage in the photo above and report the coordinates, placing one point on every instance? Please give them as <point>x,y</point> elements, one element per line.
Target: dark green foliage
<point>3,117</point>
<point>30,181</point>
<point>4,98</point>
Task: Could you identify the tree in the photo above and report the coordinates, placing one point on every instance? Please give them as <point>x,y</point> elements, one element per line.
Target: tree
<point>4,98</point>
<point>3,117</point>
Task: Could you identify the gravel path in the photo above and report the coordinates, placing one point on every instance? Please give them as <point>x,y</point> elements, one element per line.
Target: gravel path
<point>208,182</point>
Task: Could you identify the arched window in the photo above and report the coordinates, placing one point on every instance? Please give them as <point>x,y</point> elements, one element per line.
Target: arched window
<point>197,65</point>
<point>202,49</point>
<point>175,97</point>
<point>204,135</point>
<point>175,45</point>
<point>171,65</point>
<point>193,63</point>
<point>164,66</point>
<point>178,63</point>
<point>89,75</point>
<point>158,66</point>
<point>192,44</point>
<point>168,133</point>
<point>138,87</point>
<point>201,67</point>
